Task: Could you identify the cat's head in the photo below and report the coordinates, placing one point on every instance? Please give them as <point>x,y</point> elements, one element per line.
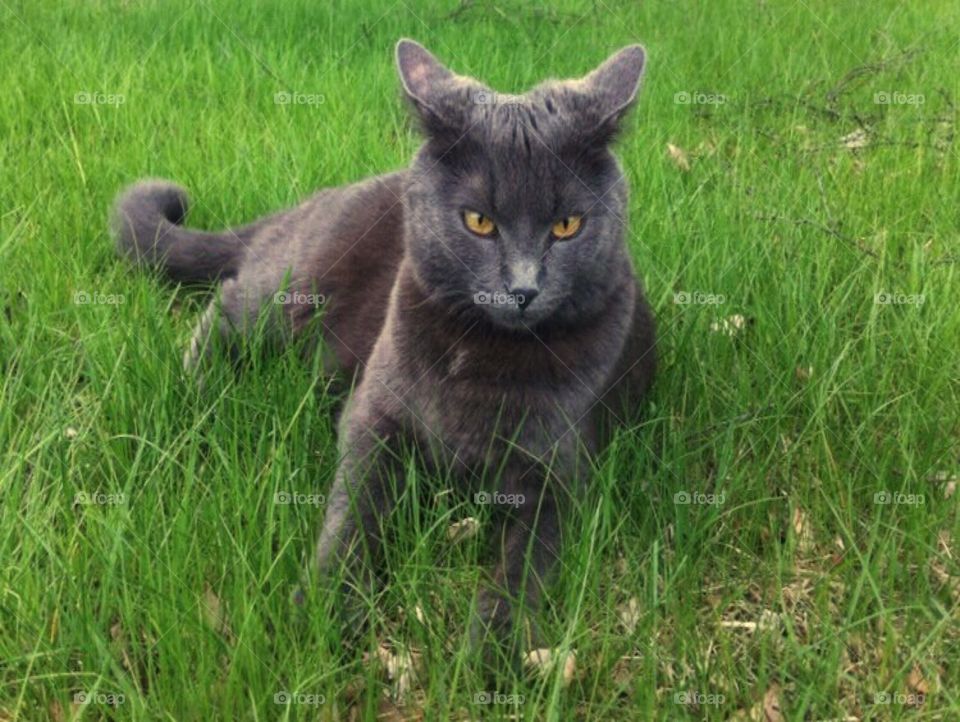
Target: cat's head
<point>516,205</point>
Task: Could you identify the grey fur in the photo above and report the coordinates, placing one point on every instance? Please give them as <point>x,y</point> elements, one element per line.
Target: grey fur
<point>504,394</point>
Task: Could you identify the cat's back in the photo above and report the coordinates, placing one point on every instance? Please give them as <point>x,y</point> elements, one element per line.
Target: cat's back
<point>366,215</point>
<point>352,257</point>
<point>336,253</point>
<point>337,231</point>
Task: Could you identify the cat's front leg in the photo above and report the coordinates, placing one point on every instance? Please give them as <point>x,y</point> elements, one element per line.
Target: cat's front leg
<point>369,480</point>
<point>529,550</point>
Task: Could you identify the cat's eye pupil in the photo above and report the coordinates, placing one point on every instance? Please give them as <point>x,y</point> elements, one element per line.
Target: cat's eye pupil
<point>567,227</point>
<point>478,223</point>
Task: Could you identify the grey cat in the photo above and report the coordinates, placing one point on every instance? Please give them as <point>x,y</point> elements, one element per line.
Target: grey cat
<point>483,301</point>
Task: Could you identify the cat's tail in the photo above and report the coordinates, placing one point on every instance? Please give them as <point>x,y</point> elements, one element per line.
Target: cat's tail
<point>146,224</point>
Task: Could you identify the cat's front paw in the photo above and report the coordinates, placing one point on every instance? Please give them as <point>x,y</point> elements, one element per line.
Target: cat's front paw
<point>502,630</point>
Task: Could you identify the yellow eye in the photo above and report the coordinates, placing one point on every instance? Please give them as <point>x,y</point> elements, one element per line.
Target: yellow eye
<point>567,228</point>
<point>479,223</point>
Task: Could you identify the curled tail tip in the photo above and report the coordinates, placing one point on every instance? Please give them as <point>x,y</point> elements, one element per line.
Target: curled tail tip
<point>141,209</point>
<point>146,225</point>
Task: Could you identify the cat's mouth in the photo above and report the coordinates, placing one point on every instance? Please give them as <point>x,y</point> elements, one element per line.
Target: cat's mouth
<point>512,312</point>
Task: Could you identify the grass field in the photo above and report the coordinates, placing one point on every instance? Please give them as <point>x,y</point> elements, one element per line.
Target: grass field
<point>778,540</point>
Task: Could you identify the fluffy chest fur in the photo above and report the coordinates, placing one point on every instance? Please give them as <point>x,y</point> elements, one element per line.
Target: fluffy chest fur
<point>471,392</point>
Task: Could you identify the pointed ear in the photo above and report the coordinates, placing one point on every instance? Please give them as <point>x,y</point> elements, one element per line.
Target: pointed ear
<point>428,85</point>
<point>614,85</point>
<point>420,72</point>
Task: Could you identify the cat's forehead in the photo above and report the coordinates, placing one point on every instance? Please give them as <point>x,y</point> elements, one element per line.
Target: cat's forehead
<point>539,117</point>
<point>523,153</point>
<point>509,182</point>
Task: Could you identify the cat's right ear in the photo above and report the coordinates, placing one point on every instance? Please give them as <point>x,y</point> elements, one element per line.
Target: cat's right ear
<point>428,85</point>
<point>613,88</point>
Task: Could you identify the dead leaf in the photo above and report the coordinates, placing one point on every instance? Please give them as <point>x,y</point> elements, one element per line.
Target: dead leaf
<point>855,140</point>
<point>730,326</point>
<point>917,683</point>
<point>543,661</point>
<point>802,530</point>
<point>462,530</point>
<point>420,614</point>
<point>768,621</point>
<point>949,482</point>
<point>626,670</point>
<point>738,624</point>
<point>799,521</point>
<point>772,711</point>
<point>400,665</point>
<point>679,157</point>
<point>803,373</point>
<point>629,614</point>
<point>212,609</point>
<point>214,614</point>
<point>945,542</point>
<point>766,710</point>
<point>945,579</point>
<point>56,711</point>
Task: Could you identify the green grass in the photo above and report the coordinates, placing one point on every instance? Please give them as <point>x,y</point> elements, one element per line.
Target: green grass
<point>174,592</point>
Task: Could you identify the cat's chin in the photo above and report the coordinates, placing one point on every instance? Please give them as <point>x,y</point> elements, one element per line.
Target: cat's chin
<point>525,322</point>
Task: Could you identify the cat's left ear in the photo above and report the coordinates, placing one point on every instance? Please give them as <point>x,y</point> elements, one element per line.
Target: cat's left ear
<point>614,85</point>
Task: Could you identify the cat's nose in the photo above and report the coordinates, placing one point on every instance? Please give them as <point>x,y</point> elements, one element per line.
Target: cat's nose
<point>524,296</point>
